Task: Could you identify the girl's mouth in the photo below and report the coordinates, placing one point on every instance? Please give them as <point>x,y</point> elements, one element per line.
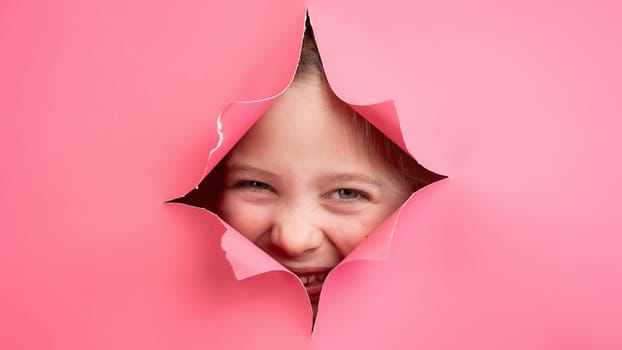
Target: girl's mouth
<point>313,282</point>
<point>312,278</point>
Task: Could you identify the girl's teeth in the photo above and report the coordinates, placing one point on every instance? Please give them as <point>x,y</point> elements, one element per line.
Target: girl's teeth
<point>308,279</point>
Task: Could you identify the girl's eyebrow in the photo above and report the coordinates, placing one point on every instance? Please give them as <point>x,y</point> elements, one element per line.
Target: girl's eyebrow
<point>249,169</point>
<point>347,177</point>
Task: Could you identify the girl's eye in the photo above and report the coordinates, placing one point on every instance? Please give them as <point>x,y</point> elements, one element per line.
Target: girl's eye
<point>348,194</point>
<point>254,185</point>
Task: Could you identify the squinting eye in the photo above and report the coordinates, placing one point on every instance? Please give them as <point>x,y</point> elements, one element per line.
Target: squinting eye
<point>346,193</point>
<point>256,185</point>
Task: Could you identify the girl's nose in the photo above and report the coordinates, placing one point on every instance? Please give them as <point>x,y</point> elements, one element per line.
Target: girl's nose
<point>296,234</point>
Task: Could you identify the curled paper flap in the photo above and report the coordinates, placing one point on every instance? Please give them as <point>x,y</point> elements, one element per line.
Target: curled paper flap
<point>383,116</point>
<point>246,259</point>
<point>232,124</point>
<point>377,245</point>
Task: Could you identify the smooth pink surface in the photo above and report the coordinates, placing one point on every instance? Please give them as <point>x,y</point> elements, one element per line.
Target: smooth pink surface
<point>109,110</point>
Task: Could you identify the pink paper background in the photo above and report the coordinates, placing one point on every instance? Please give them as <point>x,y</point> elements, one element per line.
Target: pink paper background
<point>108,110</point>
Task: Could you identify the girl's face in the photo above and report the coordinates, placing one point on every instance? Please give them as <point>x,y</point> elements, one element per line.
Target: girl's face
<point>302,186</point>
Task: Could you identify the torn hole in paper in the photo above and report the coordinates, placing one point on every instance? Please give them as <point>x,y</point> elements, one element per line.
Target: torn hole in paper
<point>312,178</point>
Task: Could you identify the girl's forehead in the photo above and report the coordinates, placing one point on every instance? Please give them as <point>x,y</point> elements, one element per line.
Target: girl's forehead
<point>304,109</point>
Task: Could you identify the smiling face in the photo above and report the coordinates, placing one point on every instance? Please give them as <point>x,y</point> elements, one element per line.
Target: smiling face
<point>302,185</point>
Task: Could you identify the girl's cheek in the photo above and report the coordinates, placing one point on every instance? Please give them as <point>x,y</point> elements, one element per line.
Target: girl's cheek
<point>348,232</point>
<point>250,220</point>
